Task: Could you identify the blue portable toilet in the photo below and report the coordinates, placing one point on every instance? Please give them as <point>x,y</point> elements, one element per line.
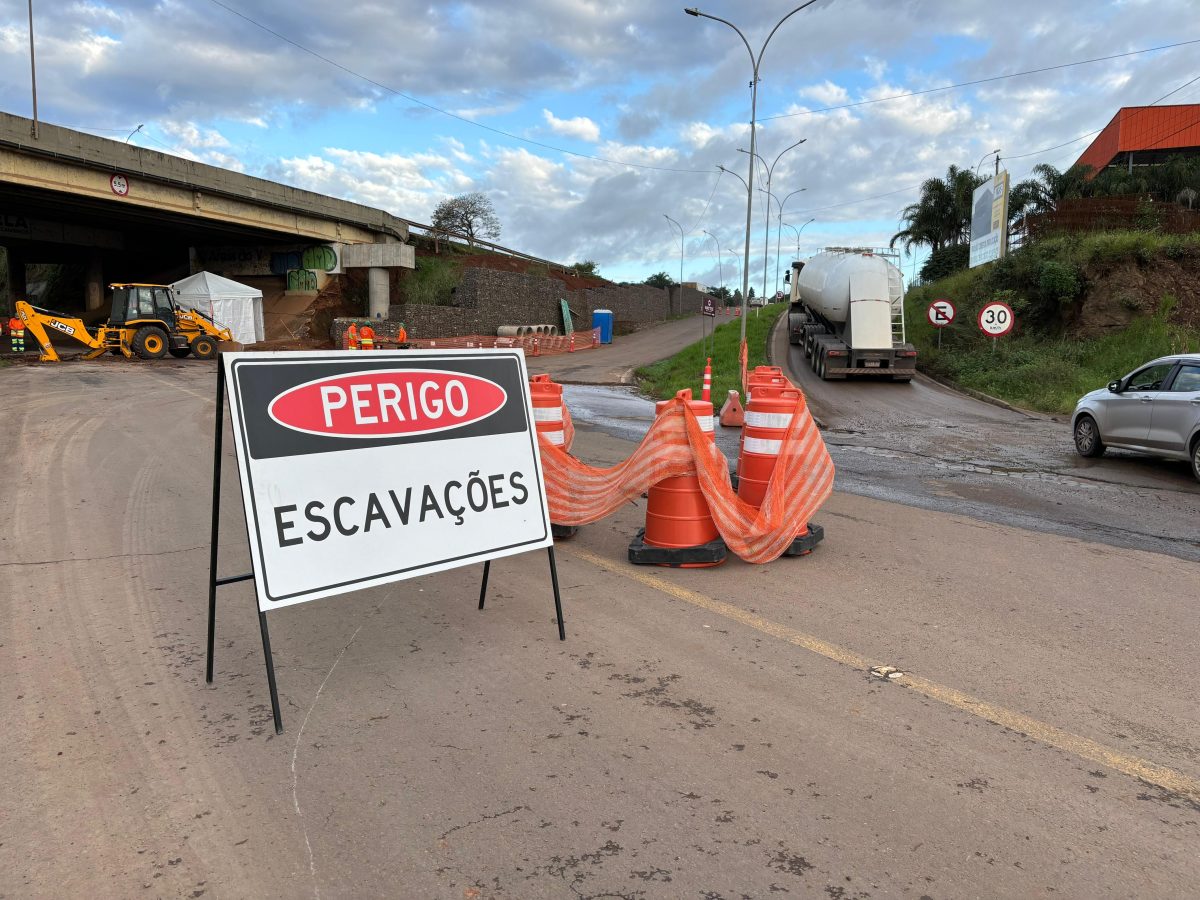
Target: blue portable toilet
<point>603,319</point>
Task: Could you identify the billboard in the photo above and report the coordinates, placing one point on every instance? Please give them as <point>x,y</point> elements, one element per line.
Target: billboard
<point>989,220</point>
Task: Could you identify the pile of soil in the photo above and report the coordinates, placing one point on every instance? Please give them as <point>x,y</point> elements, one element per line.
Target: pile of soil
<point>1117,294</point>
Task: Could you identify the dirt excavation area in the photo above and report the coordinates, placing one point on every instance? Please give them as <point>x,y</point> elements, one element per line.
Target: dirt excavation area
<point>718,733</point>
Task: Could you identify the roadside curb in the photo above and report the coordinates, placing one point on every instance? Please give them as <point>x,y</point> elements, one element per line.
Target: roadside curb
<point>774,335</point>
<point>979,395</point>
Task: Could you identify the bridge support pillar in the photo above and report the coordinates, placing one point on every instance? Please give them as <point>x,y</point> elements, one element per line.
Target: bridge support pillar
<point>94,292</point>
<point>17,289</point>
<point>377,293</point>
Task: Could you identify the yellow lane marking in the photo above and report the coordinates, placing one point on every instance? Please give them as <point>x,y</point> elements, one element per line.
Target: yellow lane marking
<point>1085,748</point>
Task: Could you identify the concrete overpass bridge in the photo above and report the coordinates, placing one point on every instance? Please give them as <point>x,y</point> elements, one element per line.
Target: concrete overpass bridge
<point>119,212</point>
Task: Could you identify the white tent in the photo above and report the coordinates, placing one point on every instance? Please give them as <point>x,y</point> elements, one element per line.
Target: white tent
<point>235,306</point>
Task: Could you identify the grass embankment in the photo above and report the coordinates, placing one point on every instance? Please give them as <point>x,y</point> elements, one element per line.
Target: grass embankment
<point>432,281</point>
<point>685,369</point>
<point>1039,366</point>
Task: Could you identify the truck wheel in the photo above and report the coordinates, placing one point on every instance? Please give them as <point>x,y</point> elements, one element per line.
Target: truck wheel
<point>820,367</point>
<point>150,342</point>
<point>204,347</point>
<point>180,352</point>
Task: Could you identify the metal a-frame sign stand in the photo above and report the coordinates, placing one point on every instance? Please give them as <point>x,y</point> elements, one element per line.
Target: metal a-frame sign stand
<point>215,581</point>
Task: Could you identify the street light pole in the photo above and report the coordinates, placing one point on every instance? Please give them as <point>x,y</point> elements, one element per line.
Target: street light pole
<point>779,227</point>
<point>755,62</point>
<point>767,218</point>
<point>985,156</point>
<point>33,72</point>
<point>680,227</point>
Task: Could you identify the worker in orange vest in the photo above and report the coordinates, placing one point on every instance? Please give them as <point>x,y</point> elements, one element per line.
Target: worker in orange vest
<point>367,334</point>
<point>352,337</point>
<point>16,334</point>
<point>401,334</point>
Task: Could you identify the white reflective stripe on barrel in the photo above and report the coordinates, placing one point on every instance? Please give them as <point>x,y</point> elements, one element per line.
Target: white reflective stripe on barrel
<point>706,422</point>
<point>554,437</point>
<point>547,414</point>
<point>763,447</point>
<point>768,420</point>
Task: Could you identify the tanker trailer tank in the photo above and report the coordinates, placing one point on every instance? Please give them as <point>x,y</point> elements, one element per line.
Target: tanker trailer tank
<point>847,311</point>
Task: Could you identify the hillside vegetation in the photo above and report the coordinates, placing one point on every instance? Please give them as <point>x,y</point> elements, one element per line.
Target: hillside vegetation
<point>1089,308</point>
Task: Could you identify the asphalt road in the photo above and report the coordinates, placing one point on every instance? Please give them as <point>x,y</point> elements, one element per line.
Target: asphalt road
<point>925,445</point>
<point>615,363</point>
<point>702,733</point>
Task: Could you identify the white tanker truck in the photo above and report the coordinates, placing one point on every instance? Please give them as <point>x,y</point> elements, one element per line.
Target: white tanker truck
<point>848,313</point>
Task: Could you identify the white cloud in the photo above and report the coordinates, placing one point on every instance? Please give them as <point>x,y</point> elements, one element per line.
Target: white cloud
<point>581,127</point>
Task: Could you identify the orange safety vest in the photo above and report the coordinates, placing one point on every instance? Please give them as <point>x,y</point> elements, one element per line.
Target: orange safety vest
<point>352,337</point>
<point>15,324</point>
<point>368,337</point>
<point>401,335</point>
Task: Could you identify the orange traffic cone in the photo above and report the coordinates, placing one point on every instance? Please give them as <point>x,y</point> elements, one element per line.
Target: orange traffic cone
<point>732,414</point>
<point>680,531</point>
<point>706,390</point>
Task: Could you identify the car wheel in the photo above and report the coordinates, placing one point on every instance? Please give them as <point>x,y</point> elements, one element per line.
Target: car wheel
<point>1087,437</point>
<point>1196,458</point>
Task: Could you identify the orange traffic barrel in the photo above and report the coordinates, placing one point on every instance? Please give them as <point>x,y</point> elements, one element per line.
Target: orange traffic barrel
<point>547,400</point>
<point>549,420</point>
<point>677,515</point>
<point>760,376</point>
<point>768,418</point>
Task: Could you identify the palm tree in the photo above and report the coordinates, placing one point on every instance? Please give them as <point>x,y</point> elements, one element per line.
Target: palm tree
<point>942,215</point>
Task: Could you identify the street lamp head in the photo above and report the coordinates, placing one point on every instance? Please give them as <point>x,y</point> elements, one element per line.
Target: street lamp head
<point>691,11</point>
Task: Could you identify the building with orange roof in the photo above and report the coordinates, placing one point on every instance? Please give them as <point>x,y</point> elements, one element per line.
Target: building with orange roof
<point>1145,135</point>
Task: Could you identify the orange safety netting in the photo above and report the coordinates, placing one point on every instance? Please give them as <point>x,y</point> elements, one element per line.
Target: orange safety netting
<point>743,360</point>
<point>676,445</point>
<point>533,345</point>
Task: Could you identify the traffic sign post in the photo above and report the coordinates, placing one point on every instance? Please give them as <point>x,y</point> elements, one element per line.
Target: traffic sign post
<point>359,470</point>
<point>708,307</point>
<point>996,319</point>
<point>941,314</point>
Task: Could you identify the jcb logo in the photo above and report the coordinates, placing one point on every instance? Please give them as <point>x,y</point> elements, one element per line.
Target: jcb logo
<point>65,329</point>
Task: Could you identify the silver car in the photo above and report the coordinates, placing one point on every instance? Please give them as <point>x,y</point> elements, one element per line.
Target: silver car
<point>1154,410</point>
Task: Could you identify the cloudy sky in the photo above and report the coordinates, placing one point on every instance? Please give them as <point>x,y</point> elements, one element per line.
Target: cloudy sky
<point>586,121</point>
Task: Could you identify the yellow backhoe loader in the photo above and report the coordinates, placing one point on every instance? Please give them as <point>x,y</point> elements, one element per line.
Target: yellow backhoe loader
<point>145,321</point>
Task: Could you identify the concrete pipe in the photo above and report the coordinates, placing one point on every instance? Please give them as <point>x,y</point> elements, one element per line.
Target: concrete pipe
<point>509,330</point>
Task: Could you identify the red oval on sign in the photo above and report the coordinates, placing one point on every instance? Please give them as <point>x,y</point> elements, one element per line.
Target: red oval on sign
<point>387,403</point>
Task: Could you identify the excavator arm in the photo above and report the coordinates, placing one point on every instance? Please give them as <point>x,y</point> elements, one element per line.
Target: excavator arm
<point>192,322</point>
<point>37,320</point>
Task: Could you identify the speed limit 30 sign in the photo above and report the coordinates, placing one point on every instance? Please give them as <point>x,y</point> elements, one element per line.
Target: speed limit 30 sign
<point>996,319</point>
<point>941,313</point>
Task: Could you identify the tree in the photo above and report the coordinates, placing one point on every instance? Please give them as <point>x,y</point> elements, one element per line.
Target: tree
<point>721,293</point>
<point>942,216</point>
<point>586,268</point>
<point>469,215</point>
<point>660,280</point>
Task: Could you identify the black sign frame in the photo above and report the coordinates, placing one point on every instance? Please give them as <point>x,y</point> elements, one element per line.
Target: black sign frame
<point>215,581</point>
